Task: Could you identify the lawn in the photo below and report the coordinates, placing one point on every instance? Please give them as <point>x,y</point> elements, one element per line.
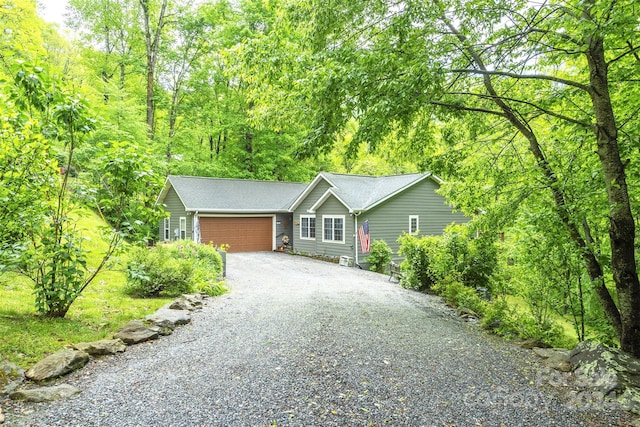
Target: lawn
<point>96,314</point>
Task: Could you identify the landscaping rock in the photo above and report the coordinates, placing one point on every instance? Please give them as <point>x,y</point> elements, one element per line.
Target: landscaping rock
<point>163,328</point>
<point>135,332</point>
<point>608,371</point>
<point>189,302</point>
<point>555,358</point>
<point>45,394</point>
<point>532,343</point>
<point>102,347</point>
<point>58,364</point>
<point>607,368</point>
<point>11,377</point>
<point>166,317</point>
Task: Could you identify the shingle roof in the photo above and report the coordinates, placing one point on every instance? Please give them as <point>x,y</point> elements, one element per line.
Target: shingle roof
<point>219,195</point>
<point>362,192</point>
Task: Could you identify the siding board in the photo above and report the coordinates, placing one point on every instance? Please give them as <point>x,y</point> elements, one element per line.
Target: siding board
<point>390,219</point>
<point>174,206</point>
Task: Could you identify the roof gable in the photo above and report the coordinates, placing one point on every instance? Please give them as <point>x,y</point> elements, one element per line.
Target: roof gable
<point>222,195</point>
<point>360,193</point>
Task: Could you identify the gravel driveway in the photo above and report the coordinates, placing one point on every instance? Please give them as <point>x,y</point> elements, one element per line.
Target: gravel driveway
<point>300,342</point>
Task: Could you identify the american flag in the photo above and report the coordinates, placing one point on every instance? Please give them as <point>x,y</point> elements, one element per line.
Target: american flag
<point>364,237</point>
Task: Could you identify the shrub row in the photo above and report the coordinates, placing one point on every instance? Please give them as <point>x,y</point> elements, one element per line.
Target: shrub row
<point>463,269</point>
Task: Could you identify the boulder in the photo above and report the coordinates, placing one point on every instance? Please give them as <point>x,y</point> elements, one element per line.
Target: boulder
<point>189,302</point>
<point>102,347</point>
<point>11,377</point>
<point>555,358</point>
<point>608,371</point>
<point>166,317</point>
<point>135,332</point>
<point>45,394</point>
<point>58,364</point>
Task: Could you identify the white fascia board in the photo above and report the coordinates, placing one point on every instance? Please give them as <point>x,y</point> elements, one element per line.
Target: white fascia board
<point>324,198</point>
<point>165,190</point>
<point>308,190</point>
<point>168,186</point>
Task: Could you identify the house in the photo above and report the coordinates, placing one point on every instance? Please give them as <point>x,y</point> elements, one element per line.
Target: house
<point>246,215</point>
<point>333,216</point>
<point>333,213</point>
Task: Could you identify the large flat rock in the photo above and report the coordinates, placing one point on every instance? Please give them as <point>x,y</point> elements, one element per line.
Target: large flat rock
<point>45,394</point>
<point>101,347</point>
<point>135,332</point>
<point>169,317</point>
<point>58,364</point>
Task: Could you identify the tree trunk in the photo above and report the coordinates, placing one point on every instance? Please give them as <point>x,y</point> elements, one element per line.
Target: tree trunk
<point>152,42</point>
<point>621,224</point>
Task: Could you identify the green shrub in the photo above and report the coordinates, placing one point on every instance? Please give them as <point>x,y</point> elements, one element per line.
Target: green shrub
<point>460,296</point>
<point>481,262</point>
<point>472,259</point>
<point>497,317</point>
<point>417,265</point>
<point>527,327</point>
<point>380,256</point>
<point>505,321</point>
<point>173,269</point>
<point>214,289</point>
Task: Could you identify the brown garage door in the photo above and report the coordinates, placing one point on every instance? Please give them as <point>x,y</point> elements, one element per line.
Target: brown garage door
<point>242,234</point>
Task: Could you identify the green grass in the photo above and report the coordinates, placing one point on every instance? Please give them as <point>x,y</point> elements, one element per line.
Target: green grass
<point>569,332</point>
<point>97,313</point>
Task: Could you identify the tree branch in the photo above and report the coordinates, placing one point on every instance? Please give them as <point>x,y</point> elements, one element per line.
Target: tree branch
<point>632,51</point>
<point>531,104</point>
<point>524,76</point>
<point>466,108</point>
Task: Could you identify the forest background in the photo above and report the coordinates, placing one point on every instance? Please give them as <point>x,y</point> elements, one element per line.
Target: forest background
<point>528,110</point>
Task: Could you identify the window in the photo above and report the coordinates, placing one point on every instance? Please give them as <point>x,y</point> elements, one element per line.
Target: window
<point>308,227</point>
<point>414,224</point>
<point>333,229</point>
<point>183,228</point>
<point>167,228</point>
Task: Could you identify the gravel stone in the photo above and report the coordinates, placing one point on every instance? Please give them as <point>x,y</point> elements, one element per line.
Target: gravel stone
<point>301,342</point>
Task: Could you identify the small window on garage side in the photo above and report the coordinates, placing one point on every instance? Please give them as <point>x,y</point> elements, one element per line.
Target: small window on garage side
<point>183,228</point>
<point>167,228</point>
<point>414,224</point>
<point>333,229</point>
<point>308,227</point>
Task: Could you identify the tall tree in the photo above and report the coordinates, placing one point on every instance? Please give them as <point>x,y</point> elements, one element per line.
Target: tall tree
<point>110,28</point>
<point>154,21</point>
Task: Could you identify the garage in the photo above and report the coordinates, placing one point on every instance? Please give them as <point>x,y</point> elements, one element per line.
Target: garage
<point>242,234</point>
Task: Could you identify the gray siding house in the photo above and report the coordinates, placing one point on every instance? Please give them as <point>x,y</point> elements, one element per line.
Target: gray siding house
<point>329,212</point>
<point>328,217</point>
<point>246,215</point>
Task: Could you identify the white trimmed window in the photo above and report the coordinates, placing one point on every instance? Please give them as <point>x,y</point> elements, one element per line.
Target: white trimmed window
<point>308,227</point>
<point>414,224</point>
<point>183,227</point>
<point>167,229</point>
<point>333,229</point>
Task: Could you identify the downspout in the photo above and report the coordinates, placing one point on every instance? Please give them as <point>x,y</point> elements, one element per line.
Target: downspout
<point>355,215</point>
<point>195,225</point>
